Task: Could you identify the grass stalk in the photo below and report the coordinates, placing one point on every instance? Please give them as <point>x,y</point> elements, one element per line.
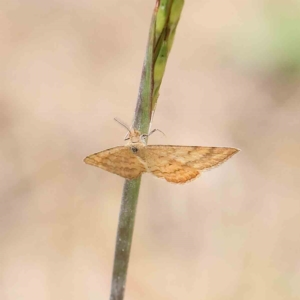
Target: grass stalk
<point>165,17</point>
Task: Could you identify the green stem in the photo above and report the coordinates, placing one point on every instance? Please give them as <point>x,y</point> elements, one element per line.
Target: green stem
<point>124,237</point>
<point>164,21</point>
<point>131,187</point>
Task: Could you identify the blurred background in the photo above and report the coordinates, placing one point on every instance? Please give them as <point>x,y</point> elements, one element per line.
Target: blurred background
<point>232,79</point>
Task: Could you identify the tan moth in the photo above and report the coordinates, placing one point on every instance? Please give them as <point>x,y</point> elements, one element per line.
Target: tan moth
<point>176,164</point>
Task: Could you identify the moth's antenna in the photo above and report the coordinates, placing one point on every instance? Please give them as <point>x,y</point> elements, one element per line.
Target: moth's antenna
<point>152,131</point>
<point>122,123</point>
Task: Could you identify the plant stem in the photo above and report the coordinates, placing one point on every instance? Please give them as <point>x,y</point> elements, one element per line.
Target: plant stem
<point>162,30</point>
<point>131,187</point>
<point>124,237</point>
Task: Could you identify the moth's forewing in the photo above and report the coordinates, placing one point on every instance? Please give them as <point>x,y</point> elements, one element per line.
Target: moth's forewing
<point>118,160</point>
<point>180,164</point>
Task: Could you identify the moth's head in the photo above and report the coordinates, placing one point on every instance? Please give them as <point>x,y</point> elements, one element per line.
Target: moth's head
<point>133,136</point>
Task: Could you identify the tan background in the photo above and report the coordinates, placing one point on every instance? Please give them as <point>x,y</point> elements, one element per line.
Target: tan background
<point>68,68</point>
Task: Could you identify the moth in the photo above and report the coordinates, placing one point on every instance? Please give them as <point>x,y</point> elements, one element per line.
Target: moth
<point>176,164</point>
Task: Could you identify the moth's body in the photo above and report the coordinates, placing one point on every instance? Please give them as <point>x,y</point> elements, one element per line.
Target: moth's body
<point>177,164</point>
